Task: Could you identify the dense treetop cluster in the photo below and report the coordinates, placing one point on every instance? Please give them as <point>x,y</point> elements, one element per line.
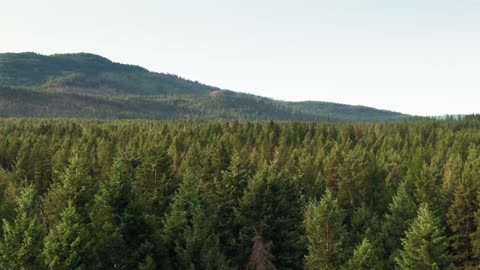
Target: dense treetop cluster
<point>89,194</point>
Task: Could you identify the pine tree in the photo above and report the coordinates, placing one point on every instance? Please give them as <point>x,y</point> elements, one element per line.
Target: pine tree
<point>475,237</point>
<point>364,258</point>
<point>461,214</point>
<point>451,177</point>
<point>224,199</point>
<point>425,245</point>
<point>354,187</point>
<point>272,206</point>
<point>461,221</point>
<point>153,182</point>
<point>66,245</point>
<point>188,232</point>
<point>414,171</point>
<point>427,188</point>
<point>325,233</point>
<point>199,247</point>
<point>363,224</point>
<point>76,185</point>
<point>123,236</point>
<point>8,195</point>
<point>401,213</point>
<point>21,244</point>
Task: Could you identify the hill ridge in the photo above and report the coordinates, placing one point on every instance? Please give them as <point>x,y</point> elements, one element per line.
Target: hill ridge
<point>115,90</point>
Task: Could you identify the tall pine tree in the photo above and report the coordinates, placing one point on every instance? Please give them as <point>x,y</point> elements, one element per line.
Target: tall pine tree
<point>364,258</point>
<point>123,236</point>
<point>66,245</point>
<point>187,232</point>
<point>401,213</point>
<point>325,233</point>
<point>272,206</point>
<point>21,244</point>
<point>425,245</point>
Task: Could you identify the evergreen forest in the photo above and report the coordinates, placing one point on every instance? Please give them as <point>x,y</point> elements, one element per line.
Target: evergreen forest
<point>139,194</point>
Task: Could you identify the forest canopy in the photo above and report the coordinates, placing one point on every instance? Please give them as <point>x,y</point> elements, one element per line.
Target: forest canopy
<point>131,194</point>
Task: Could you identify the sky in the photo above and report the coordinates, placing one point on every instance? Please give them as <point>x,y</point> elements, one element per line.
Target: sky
<point>418,57</point>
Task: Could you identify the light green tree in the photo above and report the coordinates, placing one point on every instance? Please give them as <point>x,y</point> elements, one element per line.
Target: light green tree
<point>364,258</point>
<point>425,245</point>
<point>325,233</point>
<point>21,243</point>
<point>66,244</point>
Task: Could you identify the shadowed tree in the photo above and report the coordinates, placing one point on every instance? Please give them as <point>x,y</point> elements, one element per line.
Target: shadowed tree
<point>260,259</point>
<point>272,206</point>
<point>187,232</point>
<point>401,213</point>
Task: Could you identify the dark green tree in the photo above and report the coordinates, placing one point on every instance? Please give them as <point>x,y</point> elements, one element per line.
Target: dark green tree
<point>199,247</point>
<point>401,212</point>
<point>461,221</point>
<point>187,232</point>
<point>122,235</point>
<point>153,182</point>
<point>475,237</point>
<point>272,207</point>
<point>224,199</point>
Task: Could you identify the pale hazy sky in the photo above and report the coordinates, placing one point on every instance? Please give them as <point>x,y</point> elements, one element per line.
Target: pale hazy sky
<point>413,56</point>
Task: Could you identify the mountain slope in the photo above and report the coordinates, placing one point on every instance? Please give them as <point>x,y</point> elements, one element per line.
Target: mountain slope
<point>342,112</point>
<point>90,74</point>
<point>87,85</point>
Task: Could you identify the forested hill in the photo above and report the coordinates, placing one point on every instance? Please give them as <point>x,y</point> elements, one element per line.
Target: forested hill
<point>91,86</point>
<point>84,73</point>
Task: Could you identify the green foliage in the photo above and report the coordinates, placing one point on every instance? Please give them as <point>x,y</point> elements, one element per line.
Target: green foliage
<point>188,233</point>
<point>364,258</point>
<point>88,73</point>
<point>272,207</point>
<point>199,247</point>
<point>427,188</point>
<point>461,220</point>
<point>325,233</point>
<point>123,235</point>
<point>425,245</point>
<point>137,194</point>
<point>401,213</point>
<point>475,236</point>
<point>66,245</point>
<point>75,185</point>
<point>224,198</point>
<point>21,243</point>
<point>153,182</point>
